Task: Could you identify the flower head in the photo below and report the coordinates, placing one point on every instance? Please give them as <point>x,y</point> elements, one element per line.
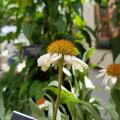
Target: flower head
<point>111,73</point>
<point>42,103</point>
<point>59,49</point>
<point>64,47</point>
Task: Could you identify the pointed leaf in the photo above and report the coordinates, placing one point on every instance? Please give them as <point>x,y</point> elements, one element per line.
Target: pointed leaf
<point>88,54</point>
<point>117,60</point>
<point>2,109</point>
<point>67,96</point>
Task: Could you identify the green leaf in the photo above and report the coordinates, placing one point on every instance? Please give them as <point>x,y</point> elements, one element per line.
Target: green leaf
<point>115,95</point>
<point>36,112</point>
<point>89,29</point>
<point>43,118</point>
<point>117,60</point>
<point>64,117</point>
<point>67,96</point>
<point>36,89</point>
<point>92,110</point>
<point>24,87</point>
<point>77,5</point>
<point>79,21</point>
<point>88,54</point>
<point>53,8</point>
<point>110,108</point>
<point>86,35</point>
<point>28,29</point>
<point>2,109</point>
<point>59,24</point>
<point>8,115</point>
<point>76,111</point>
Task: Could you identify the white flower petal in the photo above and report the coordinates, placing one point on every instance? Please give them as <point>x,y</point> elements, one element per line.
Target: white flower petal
<point>107,80</point>
<point>46,60</point>
<point>88,83</point>
<point>82,63</point>
<point>42,59</point>
<point>55,57</point>
<point>67,72</point>
<point>46,65</point>
<point>68,59</point>
<point>103,70</point>
<point>100,75</point>
<point>77,67</point>
<point>75,62</point>
<point>114,79</point>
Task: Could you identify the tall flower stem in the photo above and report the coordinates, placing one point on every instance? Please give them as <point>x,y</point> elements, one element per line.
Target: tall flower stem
<point>60,74</point>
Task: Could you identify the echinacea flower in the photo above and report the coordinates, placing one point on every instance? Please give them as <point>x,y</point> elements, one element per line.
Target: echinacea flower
<point>111,73</point>
<point>59,49</point>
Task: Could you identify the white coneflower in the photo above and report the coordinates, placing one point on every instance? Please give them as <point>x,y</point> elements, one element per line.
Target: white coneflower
<point>59,53</point>
<point>111,73</point>
<point>58,49</point>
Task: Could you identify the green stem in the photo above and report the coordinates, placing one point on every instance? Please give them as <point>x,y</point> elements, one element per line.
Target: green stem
<point>60,74</point>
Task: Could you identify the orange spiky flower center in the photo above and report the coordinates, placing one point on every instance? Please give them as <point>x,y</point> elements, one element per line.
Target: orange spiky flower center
<point>64,47</point>
<point>113,70</point>
<point>41,101</point>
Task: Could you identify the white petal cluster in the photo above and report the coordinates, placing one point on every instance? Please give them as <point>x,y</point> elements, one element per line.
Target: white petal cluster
<point>51,59</point>
<point>108,79</point>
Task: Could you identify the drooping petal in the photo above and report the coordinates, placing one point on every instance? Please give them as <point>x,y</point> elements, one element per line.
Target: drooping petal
<point>55,57</point>
<point>45,67</point>
<point>44,62</point>
<point>114,79</point>
<point>103,70</point>
<point>100,75</point>
<point>107,80</point>
<point>81,62</point>
<point>77,67</point>
<point>88,83</point>
<point>75,62</point>
<point>68,59</point>
<point>66,71</point>
<point>42,59</point>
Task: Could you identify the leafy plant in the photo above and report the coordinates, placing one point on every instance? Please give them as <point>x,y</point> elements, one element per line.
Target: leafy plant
<point>43,21</point>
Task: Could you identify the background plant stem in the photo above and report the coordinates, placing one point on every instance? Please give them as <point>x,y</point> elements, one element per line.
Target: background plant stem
<point>60,74</point>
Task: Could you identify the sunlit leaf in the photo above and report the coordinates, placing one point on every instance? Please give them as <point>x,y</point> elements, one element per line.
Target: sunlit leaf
<point>67,96</point>
<point>36,89</point>
<point>117,60</point>
<point>79,21</point>
<point>88,54</point>
<point>24,87</point>
<point>2,109</point>
<point>110,108</point>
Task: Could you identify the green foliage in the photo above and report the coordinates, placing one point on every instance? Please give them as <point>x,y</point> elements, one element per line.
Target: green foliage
<point>39,113</point>
<point>115,47</point>
<point>2,109</point>
<point>115,96</point>
<point>43,21</point>
<point>87,55</point>
<point>117,60</point>
<point>4,115</point>
<point>111,110</point>
<point>102,3</point>
<point>36,112</point>
<point>67,97</point>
